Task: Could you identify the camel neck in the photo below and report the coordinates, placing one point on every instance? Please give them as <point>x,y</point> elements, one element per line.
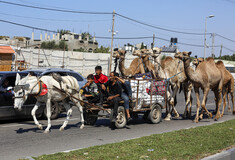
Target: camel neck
<point>190,73</point>
<point>122,66</point>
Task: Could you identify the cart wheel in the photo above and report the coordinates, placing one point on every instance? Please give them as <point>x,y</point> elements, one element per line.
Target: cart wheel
<point>155,115</point>
<point>90,118</point>
<point>121,118</point>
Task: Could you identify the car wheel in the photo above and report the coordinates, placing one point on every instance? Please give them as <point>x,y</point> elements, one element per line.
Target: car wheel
<point>55,110</point>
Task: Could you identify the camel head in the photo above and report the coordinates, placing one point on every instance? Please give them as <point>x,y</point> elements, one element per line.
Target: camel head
<point>197,61</point>
<point>183,55</point>
<point>119,54</point>
<point>156,52</point>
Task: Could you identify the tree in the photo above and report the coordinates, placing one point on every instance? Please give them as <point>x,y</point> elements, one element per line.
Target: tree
<point>142,46</point>
<point>102,49</point>
<point>85,34</point>
<point>63,45</point>
<point>62,32</point>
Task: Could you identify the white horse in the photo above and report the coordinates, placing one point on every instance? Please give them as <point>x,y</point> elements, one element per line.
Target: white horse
<point>45,92</point>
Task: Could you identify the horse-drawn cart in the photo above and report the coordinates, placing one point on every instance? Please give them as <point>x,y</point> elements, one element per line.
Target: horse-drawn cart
<point>148,99</point>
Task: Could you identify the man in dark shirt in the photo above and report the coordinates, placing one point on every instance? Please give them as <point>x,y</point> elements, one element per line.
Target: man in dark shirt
<point>114,91</point>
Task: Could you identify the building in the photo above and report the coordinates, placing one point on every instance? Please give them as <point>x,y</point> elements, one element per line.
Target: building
<point>73,40</point>
<point>6,55</point>
<point>169,51</point>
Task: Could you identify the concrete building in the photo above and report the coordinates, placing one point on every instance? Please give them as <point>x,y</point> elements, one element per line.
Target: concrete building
<point>73,40</point>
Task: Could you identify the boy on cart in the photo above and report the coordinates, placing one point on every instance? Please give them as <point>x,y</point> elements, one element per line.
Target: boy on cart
<point>90,90</point>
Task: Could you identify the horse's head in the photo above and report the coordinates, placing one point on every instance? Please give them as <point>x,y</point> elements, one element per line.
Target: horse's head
<point>21,91</point>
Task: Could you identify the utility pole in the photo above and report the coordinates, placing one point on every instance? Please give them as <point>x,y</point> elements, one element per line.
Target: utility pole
<point>213,45</point>
<point>220,51</point>
<point>39,54</point>
<point>153,40</point>
<point>111,54</point>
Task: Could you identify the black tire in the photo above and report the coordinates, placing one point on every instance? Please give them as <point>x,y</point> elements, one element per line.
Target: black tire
<point>121,118</point>
<point>90,118</point>
<point>55,110</point>
<point>155,115</point>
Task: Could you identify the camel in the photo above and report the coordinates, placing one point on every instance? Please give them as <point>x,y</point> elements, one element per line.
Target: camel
<point>142,54</point>
<point>135,67</point>
<point>207,76</point>
<point>173,69</point>
<point>228,84</point>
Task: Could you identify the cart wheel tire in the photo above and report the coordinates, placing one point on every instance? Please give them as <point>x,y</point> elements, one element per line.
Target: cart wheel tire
<point>90,118</point>
<point>121,118</point>
<point>55,110</point>
<point>155,115</point>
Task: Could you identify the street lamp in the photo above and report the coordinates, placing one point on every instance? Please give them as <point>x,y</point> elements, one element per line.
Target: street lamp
<point>210,16</point>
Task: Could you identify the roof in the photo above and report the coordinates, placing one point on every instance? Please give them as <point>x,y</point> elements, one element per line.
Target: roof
<point>6,49</point>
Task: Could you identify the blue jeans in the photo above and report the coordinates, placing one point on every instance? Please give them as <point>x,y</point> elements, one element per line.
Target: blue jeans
<point>126,94</point>
<point>127,88</point>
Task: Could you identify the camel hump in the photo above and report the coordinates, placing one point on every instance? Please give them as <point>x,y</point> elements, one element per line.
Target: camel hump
<point>220,63</point>
<point>168,58</point>
<point>210,59</point>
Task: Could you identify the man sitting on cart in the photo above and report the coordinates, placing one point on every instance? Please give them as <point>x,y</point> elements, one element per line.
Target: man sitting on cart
<point>113,90</point>
<point>126,94</point>
<point>90,90</point>
<point>99,80</point>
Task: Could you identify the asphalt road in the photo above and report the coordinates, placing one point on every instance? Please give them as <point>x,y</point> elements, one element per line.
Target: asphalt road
<point>22,138</point>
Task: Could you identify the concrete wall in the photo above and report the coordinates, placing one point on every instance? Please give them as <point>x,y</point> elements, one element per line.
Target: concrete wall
<point>83,63</point>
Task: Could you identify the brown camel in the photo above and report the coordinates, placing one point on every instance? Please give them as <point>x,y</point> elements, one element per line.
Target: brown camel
<point>135,67</point>
<point>167,68</point>
<point>228,84</point>
<point>207,76</point>
<point>146,60</point>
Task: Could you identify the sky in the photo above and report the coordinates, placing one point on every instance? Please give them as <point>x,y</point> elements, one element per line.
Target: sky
<point>179,15</point>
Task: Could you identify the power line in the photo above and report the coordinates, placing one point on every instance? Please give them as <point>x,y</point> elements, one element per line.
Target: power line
<point>65,20</point>
<point>161,28</point>
<point>53,9</point>
<point>225,38</point>
<point>229,49</point>
<point>23,25</point>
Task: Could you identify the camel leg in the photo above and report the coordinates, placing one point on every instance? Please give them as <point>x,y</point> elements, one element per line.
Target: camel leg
<point>219,101</point>
<point>188,100</point>
<point>168,107</point>
<point>206,91</point>
<point>232,98</point>
<point>48,105</point>
<point>229,107</point>
<point>34,116</point>
<point>224,94</point>
<point>198,105</point>
<point>176,88</point>
<point>69,113</point>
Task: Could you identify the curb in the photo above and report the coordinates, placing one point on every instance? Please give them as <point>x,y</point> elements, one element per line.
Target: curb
<point>224,155</point>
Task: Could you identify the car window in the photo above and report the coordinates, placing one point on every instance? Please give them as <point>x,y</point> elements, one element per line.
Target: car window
<point>60,73</point>
<point>1,77</point>
<point>77,76</point>
<point>11,81</point>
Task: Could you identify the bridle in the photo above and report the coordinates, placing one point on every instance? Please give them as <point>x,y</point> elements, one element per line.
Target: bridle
<point>24,87</point>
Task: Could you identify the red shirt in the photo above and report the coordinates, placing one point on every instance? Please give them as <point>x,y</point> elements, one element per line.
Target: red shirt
<point>101,78</point>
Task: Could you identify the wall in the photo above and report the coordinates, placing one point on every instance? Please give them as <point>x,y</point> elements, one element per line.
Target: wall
<point>83,63</point>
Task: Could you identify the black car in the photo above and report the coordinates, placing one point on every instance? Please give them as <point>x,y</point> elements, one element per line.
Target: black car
<point>7,110</point>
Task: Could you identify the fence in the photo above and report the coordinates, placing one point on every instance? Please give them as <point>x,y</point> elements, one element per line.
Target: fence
<point>81,62</point>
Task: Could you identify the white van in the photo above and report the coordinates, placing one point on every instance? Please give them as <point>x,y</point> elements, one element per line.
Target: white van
<point>231,69</point>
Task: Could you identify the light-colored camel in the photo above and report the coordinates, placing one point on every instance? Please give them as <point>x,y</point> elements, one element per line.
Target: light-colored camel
<point>145,57</point>
<point>228,84</point>
<point>173,69</point>
<point>207,76</point>
<point>135,67</point>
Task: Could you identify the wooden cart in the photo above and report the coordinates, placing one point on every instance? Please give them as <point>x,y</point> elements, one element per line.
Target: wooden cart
<point>148,99</point>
